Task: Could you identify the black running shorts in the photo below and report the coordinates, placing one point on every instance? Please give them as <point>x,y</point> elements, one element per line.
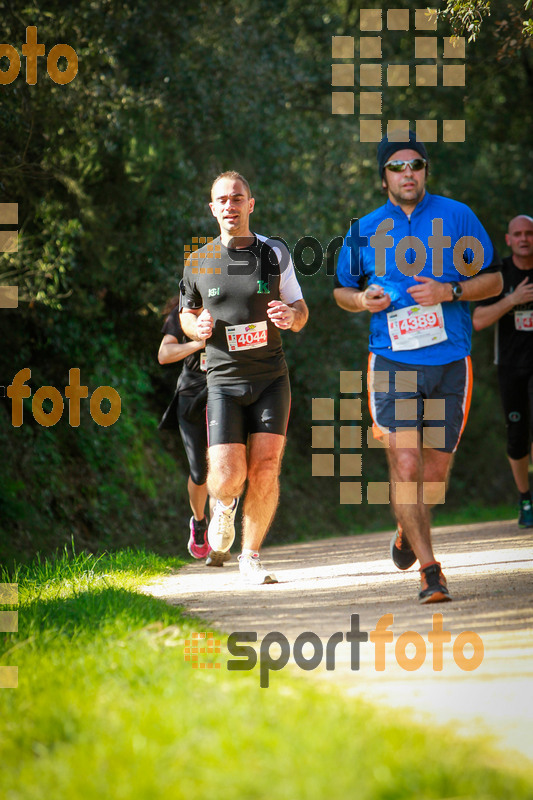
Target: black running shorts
<point>237,410</point>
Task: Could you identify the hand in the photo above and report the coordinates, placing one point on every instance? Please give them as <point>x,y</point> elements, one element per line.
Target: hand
<point>375,299</point>
<point>523,293</point>
<point>430,291</point>
<point>204,325</point>
<point>280,314</point>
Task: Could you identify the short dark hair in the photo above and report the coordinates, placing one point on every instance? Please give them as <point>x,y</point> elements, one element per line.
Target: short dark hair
<point>236,176</point>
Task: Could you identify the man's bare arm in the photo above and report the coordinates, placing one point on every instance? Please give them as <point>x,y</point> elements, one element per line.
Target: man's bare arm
<point>487,315</point>
<point>372,299</point>
<point>428,291</point>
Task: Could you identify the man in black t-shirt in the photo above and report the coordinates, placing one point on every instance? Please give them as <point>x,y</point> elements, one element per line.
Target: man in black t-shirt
<point>512,312</point>
<point>239,292</point>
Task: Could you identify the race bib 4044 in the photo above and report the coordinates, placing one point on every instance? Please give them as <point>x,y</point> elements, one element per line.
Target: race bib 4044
<point>416,326</point>
<point>247,337</point>
<point>523,320</point>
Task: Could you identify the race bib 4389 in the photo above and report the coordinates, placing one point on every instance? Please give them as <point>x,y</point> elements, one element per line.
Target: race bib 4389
<point>416,326</point>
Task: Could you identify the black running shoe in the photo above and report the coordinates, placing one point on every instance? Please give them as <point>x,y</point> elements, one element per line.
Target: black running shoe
<point>433,585</point>
<point>400,552</point>
<point>525,519</point>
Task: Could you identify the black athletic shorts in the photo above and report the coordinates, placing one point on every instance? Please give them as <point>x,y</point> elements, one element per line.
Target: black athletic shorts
<point>237,410</point>
<point>193,430</point>
<point>431,399</point>
<point>516,391</point>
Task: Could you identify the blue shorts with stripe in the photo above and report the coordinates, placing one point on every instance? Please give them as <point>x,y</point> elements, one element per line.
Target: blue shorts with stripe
<point>420,401</point>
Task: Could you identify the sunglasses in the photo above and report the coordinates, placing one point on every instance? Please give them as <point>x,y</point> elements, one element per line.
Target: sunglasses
<point>416,164</point>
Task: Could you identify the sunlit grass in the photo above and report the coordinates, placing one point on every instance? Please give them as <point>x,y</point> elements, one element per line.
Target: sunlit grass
<point>107,707</point>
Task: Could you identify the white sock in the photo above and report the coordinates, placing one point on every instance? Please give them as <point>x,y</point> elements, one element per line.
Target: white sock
<point>247,552</point>
<point>230,505</point>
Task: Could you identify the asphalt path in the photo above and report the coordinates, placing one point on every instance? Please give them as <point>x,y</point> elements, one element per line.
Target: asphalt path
<point>334,586</point>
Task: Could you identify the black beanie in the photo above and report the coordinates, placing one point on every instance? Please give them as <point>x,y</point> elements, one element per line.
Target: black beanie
<point>387,148</point>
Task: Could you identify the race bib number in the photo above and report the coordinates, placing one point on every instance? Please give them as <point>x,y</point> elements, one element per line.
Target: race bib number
<point>203,362</point>
<point>247,337</point>
<point>523,320</point>
<point>416,326</point>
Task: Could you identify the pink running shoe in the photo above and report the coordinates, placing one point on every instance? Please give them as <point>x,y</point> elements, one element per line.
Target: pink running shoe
<point>198,545</point>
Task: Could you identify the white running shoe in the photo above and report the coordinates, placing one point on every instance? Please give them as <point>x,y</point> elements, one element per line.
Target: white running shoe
<point>252,571</point>
<point>221,531</point>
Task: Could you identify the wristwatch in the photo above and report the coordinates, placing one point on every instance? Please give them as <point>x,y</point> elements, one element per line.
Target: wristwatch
<point>457,290</point>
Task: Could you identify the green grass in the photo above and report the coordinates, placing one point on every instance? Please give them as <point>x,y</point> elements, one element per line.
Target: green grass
<point>107,709</point>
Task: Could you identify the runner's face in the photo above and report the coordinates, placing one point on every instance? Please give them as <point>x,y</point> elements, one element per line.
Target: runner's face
<point>520,237</point>
<point>405,188</point>
<point>232,207</point>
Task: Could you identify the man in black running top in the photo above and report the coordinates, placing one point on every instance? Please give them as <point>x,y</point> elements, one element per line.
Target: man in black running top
<point>239,293</point>
<point>512,312</point>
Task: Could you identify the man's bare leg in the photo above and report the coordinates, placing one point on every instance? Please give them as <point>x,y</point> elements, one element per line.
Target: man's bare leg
<point>265,452</point>
<point>520,470</point>
<point>420,466</point>
<point>227,471</point>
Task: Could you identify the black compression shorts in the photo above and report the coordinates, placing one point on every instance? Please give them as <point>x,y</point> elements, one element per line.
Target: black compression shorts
<point>193,430</point>
<point>237,410</point>
<point>516,391</point>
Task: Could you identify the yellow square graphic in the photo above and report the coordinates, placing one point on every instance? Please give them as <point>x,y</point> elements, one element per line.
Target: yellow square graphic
<point>406,493</point>
<point>9,621</point>
<point>398,130</point>
<point>9,242</point>
<point>322,465</point>
<point>9,677</point>
<point>407,438</point>
<point>9,296</point>
<point>378,493</point>
<point>351,436</point>
<point>453,130</point>
<point>369,130</point>
<point>376,442</point>
<point>426,130</point>
<point>425,47</point>
<point>323,408</point>
<point>426,19</point>
<point>405,409</point>
<point>453,75</point>
<point>433,492</point>
<point>342,102</point>
<point>398,75</point>
<point>9,593</point>
<point>370,75</point>
<point>434,436</point>
<point>454,47</point>
<point>351,382</point>
<point>323,436</point>
<point>370,103</point>
<point>370,19</point>
<point>351,465</point>
<point>342,46</point>
<point>435,408</point>
<point>342,75</point>
<point>426,75</point>
<point>378,381</point>
<point>398,19</point>
<point>350,409</point>
<point>351,493</point>
<point>370,47</point>
<point>405,381</point>
<point>9,213</point>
